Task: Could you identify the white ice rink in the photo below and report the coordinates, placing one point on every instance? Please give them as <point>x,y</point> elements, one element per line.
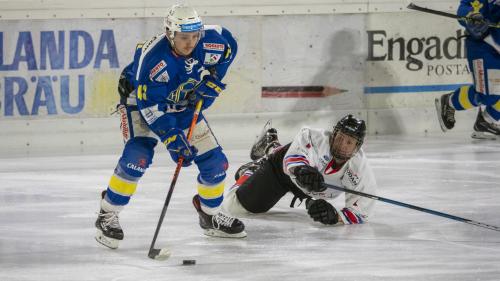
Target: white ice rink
<point>48,207</point>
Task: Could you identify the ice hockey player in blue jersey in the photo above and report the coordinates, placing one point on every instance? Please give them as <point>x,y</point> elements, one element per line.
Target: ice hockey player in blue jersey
<point>483,55</point>
<point>158,90</point>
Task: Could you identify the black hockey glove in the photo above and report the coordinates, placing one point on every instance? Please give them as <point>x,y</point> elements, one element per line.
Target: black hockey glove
<point>322,211</point>
<point>309,178</point>
<point>477,26</point>
<point>125,87</point>
<point>178,145</point>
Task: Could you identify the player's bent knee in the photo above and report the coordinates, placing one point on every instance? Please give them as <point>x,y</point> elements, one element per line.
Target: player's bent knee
<point>137,156</point>
<point>212,165</point>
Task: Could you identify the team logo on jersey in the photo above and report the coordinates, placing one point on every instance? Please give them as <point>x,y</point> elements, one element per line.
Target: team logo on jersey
<point>190,63</point>
<point>181,93</point>
<point>163,77</point>
<point>211,58</point>
<point>156,69</point>
<point>213,46</point>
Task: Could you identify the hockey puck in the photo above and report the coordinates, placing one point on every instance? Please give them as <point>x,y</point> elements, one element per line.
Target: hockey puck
<point>188,262</point>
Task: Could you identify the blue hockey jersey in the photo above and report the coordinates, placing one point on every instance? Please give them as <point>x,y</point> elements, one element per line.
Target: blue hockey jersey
<point>162,78</point>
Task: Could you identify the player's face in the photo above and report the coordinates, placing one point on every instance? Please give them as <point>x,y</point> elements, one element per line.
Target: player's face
<point>185,42</point>
<point>344,146</point>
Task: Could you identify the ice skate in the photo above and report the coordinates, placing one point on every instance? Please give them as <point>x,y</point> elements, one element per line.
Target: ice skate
<point>109,231</point>
<point>484,129</point>
<point>446,113</point>
<point>264,144</point>
<point>219,225</point>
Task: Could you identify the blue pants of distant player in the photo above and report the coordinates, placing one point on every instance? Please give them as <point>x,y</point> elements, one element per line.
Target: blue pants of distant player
<point>484,62</point>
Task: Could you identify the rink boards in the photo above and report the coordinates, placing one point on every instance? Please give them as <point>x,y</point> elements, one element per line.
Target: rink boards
<point>58,77</point>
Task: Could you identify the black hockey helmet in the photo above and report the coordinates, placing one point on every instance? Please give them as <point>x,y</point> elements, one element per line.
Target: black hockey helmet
<point>342,147</point>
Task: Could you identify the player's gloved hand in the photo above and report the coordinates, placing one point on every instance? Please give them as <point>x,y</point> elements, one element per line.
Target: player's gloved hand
<point>209,89</point>
<point>178,146</point>
<point>322,211</point>
<point>309,178</point>
<point>125,87</point>
<point>477,26</point>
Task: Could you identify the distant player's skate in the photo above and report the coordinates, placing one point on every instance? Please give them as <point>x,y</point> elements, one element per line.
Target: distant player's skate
<point>484,129</point>
<point>445,113</point>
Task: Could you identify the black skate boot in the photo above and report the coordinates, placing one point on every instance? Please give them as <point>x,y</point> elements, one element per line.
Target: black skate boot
<point>484,129</point>
<point>219,225</point>
<point>446,113</point>
<point>109,231</point>
<point>267,141</point>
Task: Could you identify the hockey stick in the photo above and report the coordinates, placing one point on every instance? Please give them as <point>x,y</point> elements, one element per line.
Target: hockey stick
<point>401,204</point>
<point>164,253</point>
<point>412,6</point>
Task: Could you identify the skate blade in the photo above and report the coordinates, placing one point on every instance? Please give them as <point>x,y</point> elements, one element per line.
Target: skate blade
<point>483,136</point>
<point>222,234</point>
<point>106,241</point>
<point>437,103</point>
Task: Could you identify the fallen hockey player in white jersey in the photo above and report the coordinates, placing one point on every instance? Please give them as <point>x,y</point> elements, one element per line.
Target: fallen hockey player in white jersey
<point>315,157</point>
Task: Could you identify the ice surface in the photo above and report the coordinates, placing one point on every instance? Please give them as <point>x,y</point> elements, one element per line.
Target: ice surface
<point>48,207</point>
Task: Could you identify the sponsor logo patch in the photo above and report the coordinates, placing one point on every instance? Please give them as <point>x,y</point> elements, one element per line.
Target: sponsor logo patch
<point>157,68</point>
<point>479,75</point>
<point>211,58</point>
<point>352,177</point>
<point>163,78</point>
<point>124,123</point>
<point>136,168</point>
<point>213,46</point>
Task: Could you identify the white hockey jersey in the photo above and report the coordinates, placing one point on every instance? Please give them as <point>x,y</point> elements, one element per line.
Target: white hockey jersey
<point>312,147</point>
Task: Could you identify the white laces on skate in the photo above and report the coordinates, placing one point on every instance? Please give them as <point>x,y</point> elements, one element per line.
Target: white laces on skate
<point>110,219</point>
<point>222,219</point>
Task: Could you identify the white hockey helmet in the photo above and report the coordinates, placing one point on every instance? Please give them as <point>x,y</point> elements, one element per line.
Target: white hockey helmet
<point>181,18</point>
